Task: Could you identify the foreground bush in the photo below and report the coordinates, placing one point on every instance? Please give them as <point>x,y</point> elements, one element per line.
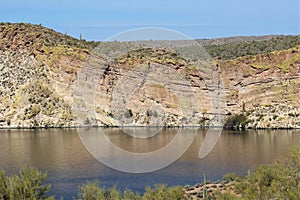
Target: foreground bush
<point>27,185</point>
<point>279,180</point>
<point>91,191</point>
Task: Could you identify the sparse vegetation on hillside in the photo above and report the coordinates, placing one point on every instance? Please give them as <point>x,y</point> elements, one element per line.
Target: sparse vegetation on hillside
<point>25,35</point>
<point>235,50</point>
<point>147,55</point>
<point>21,35</point>
<point>35,60</point>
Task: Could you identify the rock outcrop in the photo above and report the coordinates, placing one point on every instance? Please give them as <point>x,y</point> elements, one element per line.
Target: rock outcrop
<point>49,79</point>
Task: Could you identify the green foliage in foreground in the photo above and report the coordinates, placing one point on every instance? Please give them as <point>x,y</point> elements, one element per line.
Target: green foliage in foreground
<point>27,185</point>
<point>91,191</point>
<point>279,180</point>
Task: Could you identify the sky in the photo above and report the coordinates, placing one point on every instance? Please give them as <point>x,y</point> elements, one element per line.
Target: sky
<point>99,20</point>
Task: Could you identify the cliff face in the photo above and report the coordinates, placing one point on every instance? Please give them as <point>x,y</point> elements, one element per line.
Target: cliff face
<point>36,65</point>
<point>45,81</point>
<point>265,88</point>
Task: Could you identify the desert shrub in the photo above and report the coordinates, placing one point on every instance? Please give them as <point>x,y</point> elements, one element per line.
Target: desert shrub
<point>279,180</point>
<point>27,185</point>
<point>236,120</point>
<point>151,113</point>
<point>231,177</point>
<point>225,196</point>
<point>161,191</point>
<point>91,191</point>
<point>128,113</point>
<point>113,194</point>
<point>275,181</point>
<point>275,117</point>
<point>129,195</point>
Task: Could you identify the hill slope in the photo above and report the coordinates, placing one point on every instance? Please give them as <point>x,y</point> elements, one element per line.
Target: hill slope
<point>40,69</point>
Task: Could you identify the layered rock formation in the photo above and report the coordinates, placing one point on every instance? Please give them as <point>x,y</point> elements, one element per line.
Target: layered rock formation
<point>52,80</point>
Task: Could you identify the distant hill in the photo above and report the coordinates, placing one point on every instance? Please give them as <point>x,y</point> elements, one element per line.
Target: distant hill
<point>23,35</point>
<point>230,48</point>
<point>223,48</point>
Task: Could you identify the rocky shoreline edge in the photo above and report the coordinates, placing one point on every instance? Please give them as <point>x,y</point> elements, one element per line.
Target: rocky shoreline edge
<point>164,127</point>
<point>199,190</point>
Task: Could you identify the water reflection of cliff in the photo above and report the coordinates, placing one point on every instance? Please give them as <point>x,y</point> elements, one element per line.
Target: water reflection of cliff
<point>58,149</point>
<point>47,149</point>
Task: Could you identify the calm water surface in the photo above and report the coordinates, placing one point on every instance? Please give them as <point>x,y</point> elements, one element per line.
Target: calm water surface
<point>61,153</point>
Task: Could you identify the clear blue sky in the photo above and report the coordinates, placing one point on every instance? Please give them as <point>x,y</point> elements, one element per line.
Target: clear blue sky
<point>98,20</point>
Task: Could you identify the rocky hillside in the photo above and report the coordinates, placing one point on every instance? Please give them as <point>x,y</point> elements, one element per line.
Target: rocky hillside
<point>49,79</point>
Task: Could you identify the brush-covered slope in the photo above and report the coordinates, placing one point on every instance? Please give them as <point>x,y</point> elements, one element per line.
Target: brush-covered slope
<point>39,68</point>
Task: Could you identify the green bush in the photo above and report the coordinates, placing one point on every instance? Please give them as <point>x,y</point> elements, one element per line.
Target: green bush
<point>91,191</point>
<point>129,195</point>
<point>236,121</point>
<point>128,113</point>
<point>27,185</point>
<point>225,196</point>
<point>279,180</point>
<point>231,177</point>
<point>161,192</point>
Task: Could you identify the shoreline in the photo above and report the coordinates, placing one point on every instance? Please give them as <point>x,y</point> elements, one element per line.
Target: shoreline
<point>164,127</point>
<point>210,188</point>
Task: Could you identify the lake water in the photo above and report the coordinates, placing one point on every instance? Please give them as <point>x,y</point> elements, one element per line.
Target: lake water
<point>68,163</point>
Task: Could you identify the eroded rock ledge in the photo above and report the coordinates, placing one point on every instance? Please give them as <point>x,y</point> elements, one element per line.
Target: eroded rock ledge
<point>38,80</point>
